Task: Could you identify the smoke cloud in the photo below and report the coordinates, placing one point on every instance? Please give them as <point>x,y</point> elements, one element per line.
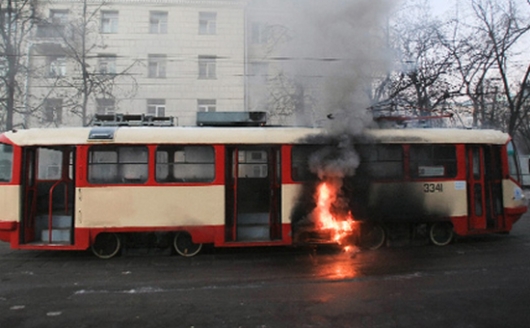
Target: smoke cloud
<point>334,52</point>
<point>331,51</point>
<point>335,162</point>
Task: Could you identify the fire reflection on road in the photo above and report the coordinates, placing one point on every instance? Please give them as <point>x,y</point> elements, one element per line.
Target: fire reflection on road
<point>338,267</point>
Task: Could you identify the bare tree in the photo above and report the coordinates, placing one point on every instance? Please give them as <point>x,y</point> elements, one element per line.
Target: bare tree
<point>95,75</point>
<point>501,26</point>
<point>289,99</point>
<point>16,21</point>
<point>422,76</point>
<point>473,61</point>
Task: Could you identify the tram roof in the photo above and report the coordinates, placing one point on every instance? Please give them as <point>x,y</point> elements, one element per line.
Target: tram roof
<point>438,136</point>
<point>245,135</point>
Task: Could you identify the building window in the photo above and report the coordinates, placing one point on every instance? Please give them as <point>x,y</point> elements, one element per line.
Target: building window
<point>207,23</point>
<point>107,64</point>
<point>185,164</point>
<point>55,26</point>
<point>158,22</point>
<point>122,164</point>
<point>53,111</point>
<point>156,107</point>
<point>156,66</point>
<point>56,66</point>
<point>260,33</point>
<point>207,67</point>
<point>106,106</point>
<point>109,22</point>
<point>206,105</point>
<point>59,17</point>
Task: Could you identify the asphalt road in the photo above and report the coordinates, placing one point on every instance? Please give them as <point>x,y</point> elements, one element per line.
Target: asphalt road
<point>476,282</point>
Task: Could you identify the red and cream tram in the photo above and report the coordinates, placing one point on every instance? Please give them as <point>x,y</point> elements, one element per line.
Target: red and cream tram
<point>100,187</point>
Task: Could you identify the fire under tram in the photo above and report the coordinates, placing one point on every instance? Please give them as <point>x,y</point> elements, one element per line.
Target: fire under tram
<point>132,179</point>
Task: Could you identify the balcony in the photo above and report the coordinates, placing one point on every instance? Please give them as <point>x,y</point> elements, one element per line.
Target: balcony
<point>51,31</point>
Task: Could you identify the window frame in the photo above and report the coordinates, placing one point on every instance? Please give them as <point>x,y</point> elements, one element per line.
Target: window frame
<point>207,23</point>
<point>206,105</point>
<point>377,158</point>
<point>53,110</point>
<point>158,22</point>
<point>109,21</point>
<point>171,166</point>
<point>299,171</point>
<point>120,165</point>
<point>109,62</point>
<point>6,163</point>
<point>156,66</point>
<point>260,33</point>
<point>156,107</point>
<point>450,165</point>
<point>106,106</point>
<point>56,66</point>
<point>207,67</point>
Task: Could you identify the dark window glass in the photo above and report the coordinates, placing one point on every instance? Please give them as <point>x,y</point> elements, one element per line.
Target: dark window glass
<point>478,199</point>
<point>382,161</point>
<point>432,161</point>
<point>6,162</point>
<point>185,164</point>
<point>117,164</point>
<point>300,162</point>
<point>252,164</point>
<point>512,162</point>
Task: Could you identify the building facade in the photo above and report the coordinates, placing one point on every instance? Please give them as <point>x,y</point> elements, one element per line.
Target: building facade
<point>179,57</point>
<point>157,57</point>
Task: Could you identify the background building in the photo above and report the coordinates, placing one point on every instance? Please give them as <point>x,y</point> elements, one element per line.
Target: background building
<point>301,61</point>
<point>158,57</point>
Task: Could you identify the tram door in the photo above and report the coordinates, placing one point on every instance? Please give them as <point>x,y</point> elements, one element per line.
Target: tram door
<point>48,196</point>
<point>484,187</point>
<point>252,194</point>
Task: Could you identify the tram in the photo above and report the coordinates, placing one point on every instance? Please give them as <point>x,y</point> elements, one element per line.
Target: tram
<point>108,186</point>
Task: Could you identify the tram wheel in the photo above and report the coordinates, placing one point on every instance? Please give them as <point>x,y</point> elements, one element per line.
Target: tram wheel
<point>106,245</point>
<point>184,245</point>
<point>373,236</point>
<point>441,233</point>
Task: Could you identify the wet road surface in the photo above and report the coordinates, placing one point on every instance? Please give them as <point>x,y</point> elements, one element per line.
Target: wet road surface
<point>476,282</point>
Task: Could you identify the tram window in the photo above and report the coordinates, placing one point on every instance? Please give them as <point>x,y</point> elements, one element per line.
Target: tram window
<point>382,161</point>
<point>494,167</point>
<point>252,164</point>
<point>300,162</point>
<point>432,161</point>
<point>6,162</point>
<point>512,163</point>
<point>185,164</point>
<point>50,164</point>
<point>117,164</point>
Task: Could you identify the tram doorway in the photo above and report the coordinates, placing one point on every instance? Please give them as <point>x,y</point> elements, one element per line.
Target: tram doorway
<point>484,180</point>
<point>253,194</point>
<point>48,189</point>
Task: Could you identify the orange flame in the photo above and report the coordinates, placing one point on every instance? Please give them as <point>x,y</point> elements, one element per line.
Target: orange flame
<point>339,227</point>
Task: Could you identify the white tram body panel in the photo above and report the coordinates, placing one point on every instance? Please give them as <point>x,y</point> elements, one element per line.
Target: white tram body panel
<point>118,207</point>
<point>10,203</point>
